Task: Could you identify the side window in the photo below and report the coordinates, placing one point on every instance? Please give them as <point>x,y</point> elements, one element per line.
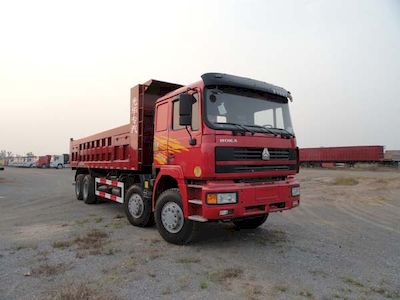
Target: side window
<point>195,114</point>
<point>175,115</point>
<point>162,113</point>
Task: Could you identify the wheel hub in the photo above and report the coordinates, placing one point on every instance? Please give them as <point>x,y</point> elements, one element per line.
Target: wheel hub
<point>172,217</point>
<point>136,205</point>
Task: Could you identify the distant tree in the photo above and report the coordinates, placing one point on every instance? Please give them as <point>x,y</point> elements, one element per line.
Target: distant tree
<point>29,154</point>
<point>9,153</point>
<point>3,154</point>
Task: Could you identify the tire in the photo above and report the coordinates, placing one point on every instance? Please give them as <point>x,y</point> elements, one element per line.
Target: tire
<point>79,186</point>
<point>251,223</point>
<point>59,166</point>
<point>170,202</point>
<point>137,208</point>
<point>88,194</point>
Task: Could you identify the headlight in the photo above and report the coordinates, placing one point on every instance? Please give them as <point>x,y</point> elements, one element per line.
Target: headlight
<point>295,191</point>
<point>221,198</point>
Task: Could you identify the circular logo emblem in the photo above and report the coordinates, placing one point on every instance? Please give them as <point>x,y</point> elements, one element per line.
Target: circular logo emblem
<point>197,171</point>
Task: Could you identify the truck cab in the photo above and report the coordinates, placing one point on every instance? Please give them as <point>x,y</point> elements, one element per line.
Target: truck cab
<point>43,161</point>
<point>229,144</point>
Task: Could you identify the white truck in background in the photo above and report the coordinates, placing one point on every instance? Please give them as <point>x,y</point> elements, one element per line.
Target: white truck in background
<point>22,161</point>
<point>29,162</point>
<point>59,161</point>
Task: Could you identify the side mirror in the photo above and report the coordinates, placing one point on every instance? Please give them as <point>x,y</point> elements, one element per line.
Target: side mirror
<point>185,109</point>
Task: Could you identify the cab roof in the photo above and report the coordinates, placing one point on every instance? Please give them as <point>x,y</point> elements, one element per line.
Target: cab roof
<point>221,79</point>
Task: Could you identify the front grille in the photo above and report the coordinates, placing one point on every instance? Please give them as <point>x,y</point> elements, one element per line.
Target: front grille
<point>247,153</point>
<point>252,168</point>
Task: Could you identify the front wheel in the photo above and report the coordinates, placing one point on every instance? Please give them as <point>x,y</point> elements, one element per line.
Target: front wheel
<point>170,220</point>
<point>251,223</point>
<point>59,166</point>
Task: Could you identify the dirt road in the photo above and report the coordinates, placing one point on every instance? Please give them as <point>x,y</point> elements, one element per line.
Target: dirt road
<point>342,242</point>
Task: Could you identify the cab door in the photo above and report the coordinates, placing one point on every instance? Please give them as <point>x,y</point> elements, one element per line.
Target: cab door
<point>180,151</point>
<point>160,146</point>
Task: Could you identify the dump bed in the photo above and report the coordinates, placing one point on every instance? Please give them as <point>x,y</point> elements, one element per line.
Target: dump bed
<point>342,154</point>
<point>128,147</point>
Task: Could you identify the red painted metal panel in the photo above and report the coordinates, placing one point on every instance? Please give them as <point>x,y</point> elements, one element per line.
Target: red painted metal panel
<point>342,154</point>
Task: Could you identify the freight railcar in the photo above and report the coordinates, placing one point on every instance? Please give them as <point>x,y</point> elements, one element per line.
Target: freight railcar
<point>348,155</point>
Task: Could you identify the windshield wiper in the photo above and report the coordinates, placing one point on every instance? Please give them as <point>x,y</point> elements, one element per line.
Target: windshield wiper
<point>284,130</point>
<point>266,130</point>
<point>244,127</point>
<point>240,126</point>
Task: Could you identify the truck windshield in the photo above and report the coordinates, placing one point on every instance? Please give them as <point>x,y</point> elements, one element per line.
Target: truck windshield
<point>227,106</point>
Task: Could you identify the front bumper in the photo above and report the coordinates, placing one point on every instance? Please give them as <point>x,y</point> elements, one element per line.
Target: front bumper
<point>253,199</point>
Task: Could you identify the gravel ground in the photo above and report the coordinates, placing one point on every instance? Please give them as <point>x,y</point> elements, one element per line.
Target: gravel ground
<point>342,242</point>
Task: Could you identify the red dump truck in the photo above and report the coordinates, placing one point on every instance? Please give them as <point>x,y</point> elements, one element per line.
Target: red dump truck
<point>221,149</point>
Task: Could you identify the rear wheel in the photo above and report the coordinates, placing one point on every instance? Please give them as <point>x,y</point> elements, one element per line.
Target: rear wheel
<point>59,166</point>
<point>251,223</point>
<point>89,196</point>
<point>138,208</point>
<point>170,220</point>
<point>79,186</point>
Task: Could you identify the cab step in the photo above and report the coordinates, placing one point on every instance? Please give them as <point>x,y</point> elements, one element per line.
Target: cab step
<point>195,186</point>
<point>195,201</point>
<point>197,218</point>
